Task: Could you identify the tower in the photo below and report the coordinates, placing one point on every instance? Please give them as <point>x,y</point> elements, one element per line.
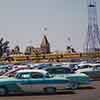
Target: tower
<point>92,43</point>
<point>45,45</point>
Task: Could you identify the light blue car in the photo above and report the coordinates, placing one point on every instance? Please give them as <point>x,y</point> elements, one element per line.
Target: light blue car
<point>29,81</point>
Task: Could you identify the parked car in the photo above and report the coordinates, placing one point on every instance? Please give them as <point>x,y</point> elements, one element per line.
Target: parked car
<point>72,65</point>
<point>93,71</point>
<point>79,79</point>
<point>29,81</point>
<point>4,68</point>
<point>13,72</point>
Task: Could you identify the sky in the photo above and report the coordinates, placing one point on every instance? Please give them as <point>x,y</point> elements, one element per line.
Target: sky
<point>22,22</point>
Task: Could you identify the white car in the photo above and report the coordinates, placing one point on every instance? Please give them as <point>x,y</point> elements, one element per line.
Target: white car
<point>93,71</point>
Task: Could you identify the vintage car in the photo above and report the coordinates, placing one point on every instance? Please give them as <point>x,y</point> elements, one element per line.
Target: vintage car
<point>29,81</point>
<point>92,71</point>
<point>80,79</point>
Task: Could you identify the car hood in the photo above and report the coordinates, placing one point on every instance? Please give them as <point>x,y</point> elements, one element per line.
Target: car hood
<point>72,75</point>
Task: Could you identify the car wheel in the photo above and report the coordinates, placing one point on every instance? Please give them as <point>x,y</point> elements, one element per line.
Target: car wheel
<point>50,90</point>
<point>3,91</point>
<point>74,85</point>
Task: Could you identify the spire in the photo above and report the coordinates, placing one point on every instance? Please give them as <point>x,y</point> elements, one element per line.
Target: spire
<point>44,42</point>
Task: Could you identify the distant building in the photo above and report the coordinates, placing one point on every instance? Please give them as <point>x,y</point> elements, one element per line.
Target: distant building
<point>70,49</point>
<point>16,50</point>
<point>43,49</point>
<point>29,50</point>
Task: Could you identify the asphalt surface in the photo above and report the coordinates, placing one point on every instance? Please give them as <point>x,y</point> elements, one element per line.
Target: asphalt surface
<point>79,94</point>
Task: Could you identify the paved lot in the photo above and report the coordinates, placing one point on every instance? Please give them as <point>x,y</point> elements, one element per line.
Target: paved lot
<point>80,94</point>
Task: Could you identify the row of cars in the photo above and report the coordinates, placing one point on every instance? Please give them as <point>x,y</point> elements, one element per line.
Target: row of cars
<point>47,78</point>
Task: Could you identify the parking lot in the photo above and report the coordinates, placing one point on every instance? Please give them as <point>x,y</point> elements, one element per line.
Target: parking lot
<point>80,94</point>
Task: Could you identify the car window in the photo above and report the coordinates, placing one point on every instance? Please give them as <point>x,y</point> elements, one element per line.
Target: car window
<point>67,70</point>
<point>85,66</point>
<point>37,75</point>
<point>25,76</point>
<point>73,65</point>
<point>51,70</point>
<point>90,66</point>
<point>97,67</point>
<point>60,71</point>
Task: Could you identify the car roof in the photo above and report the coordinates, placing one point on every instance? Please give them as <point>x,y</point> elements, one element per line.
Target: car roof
<point>53,67</point>
<point>85,64</point>
<point>32,70</point>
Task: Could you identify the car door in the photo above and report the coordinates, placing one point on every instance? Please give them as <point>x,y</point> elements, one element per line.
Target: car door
<point>96,71</point>
<point>93,72</point>
<point>36,82</point>
<point>55,82</point>
<point>23,82</point>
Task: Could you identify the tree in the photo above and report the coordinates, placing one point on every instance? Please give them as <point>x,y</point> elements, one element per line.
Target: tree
<point>3,47</point>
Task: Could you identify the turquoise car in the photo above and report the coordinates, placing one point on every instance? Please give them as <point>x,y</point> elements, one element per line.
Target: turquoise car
<point>79,79</point>
<point>29,81</point>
